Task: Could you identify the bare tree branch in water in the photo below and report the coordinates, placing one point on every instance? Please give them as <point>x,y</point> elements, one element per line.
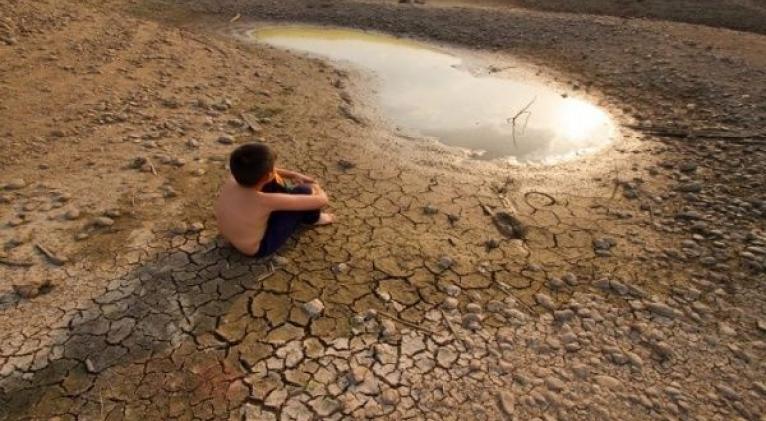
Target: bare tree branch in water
<point>523,112</point>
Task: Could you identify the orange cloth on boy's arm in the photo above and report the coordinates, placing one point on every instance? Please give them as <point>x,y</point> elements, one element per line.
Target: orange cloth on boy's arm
<point>278,179</point>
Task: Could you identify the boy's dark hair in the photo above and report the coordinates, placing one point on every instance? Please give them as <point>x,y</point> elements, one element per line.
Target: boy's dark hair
<point>251,162</point>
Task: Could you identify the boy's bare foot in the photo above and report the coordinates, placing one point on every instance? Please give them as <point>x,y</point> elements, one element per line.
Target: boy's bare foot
<point>325,219</point>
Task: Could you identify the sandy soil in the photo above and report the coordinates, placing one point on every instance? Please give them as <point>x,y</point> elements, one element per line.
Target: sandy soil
<point>634,292</point>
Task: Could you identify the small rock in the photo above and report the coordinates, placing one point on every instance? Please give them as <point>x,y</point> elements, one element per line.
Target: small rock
<point>661,309</point>
<point>226,140</point>
<point>358,374</point>
<point>138,162</point>
<point>581,371</point>
<point>545,301</point>
<point>345,165</point>
<point>603,243</point>
<point>608,382</point>
<point>475,365</point>
<point>313,308</point>
<point>445,262</point>
<point>196,227</point>
<point>687,166</point>
<point>473,308</point>
<point>430,210</point>
<point>32,290</point>
<point>389,397</point>
<point>452,290</point>
<point>662,349</point>
<point>16,184</point>
<point>727,392</point>
<point>72,214</point>
<point>634,359</point>
<point>692,187</point>
<point>556,283</point>
<point>280,260</point>
<point>388,328</point>
<point>554,383</point>
<point>339,268</point>
<point>169,192</point>
<point>450,303</point>
<point>563,315</point>
<point>507,402</point>
<point>472,321</point>
<point>179,228</point>
<point>102,221</point>
<point>760,387</point>
<point>570,279</point>
<point>113,213</point>
<point>725,329</point>
<point>492,244</point>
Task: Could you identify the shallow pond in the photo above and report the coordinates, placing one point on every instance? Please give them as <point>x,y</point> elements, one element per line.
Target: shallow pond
<point>425,90</point>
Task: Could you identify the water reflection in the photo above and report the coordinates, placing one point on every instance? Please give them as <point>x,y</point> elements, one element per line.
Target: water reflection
<point>431,92</point>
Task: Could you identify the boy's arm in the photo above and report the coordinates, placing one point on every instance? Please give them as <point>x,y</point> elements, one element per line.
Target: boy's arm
<point>296,202</point>
<point>295,175</point>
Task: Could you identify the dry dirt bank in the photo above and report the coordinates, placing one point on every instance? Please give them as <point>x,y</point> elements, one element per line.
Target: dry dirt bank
<point>742,15</point>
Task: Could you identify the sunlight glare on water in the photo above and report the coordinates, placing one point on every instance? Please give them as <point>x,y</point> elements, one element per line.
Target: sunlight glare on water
<point>425,90</point>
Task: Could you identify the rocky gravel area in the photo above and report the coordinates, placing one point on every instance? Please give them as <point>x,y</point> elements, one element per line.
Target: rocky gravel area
<point>626,285</point>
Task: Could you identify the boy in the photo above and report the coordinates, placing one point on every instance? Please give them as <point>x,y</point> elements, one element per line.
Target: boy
<point>261,205</point>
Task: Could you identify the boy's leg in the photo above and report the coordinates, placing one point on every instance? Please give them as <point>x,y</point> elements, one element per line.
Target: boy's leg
<point>282,224</point>
<point>312,216</point>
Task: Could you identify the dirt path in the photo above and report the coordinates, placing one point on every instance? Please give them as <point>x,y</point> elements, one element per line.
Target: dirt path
<point>636,291</point>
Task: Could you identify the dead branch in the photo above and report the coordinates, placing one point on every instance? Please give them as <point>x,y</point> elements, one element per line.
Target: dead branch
<point>16,263</point>
<point>451,327</point>
<point>406,323</point>
<point>546,195</point>
<point>523,112</point>
<point>52,257</point>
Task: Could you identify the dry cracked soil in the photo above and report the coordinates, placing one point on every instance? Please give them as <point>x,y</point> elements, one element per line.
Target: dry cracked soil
<point>635,289</point>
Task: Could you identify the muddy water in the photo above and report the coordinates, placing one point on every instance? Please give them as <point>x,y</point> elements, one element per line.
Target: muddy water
<point>437,94</point>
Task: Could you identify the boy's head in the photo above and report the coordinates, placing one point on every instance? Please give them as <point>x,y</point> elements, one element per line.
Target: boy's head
<point>252,162</point>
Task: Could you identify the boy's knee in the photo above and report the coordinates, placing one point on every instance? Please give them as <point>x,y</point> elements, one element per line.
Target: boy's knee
<point>302,189</point>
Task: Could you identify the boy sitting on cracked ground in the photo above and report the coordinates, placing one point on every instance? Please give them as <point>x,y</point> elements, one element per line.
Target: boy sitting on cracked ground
<point>261,206</point>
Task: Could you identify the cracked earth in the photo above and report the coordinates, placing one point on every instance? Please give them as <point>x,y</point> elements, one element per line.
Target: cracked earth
<point>631,289</point>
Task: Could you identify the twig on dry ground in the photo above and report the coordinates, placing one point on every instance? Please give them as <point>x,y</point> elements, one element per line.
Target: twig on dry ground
<point>507,289</point>
<point>546,195</point>
<point>523,112</point>
<point>616,181</point>
<point>406,323</point>
<point>151,166</point>
<point>16,263</point>
<point>451,327</point>
<point>53,257</point>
